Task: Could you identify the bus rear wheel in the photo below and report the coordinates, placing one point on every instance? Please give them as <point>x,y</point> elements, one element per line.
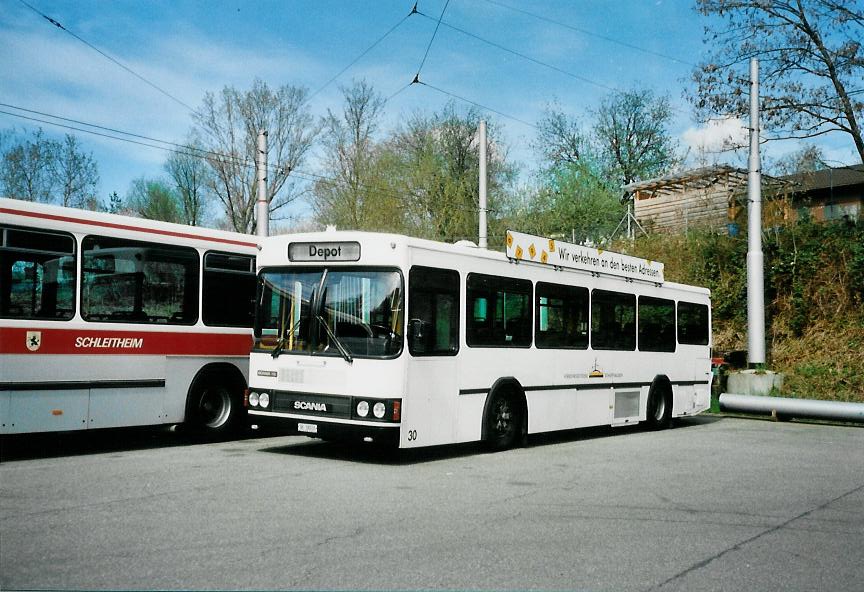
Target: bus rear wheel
<point>214,406</point>
<point>659,412</point>
<point>503,421</point>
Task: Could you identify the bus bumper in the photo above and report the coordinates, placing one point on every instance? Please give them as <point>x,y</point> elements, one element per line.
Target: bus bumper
<point>315,427</point>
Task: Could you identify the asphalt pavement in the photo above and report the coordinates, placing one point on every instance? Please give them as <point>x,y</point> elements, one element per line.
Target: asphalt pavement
<point>712,504</point>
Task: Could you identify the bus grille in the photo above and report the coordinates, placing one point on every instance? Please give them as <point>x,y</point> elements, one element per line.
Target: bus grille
<point>311,404</point>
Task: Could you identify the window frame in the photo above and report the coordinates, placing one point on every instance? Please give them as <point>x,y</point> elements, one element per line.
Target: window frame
<point>537,307</point>
<point>457,307</point>
<point>707,327</point>
<point>671,303</point>
<point>500,280</point>
<point>76,280</point>
<point>204,291</point>
<point>133,243</point>
<point>629,295</point>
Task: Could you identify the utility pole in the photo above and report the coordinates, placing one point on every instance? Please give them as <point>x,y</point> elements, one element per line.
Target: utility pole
<point>262,207</point>
<point>483,243</point>
<point>755,262</point>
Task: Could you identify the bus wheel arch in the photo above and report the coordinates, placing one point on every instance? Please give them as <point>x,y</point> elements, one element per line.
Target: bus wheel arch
<point>214,403</point>
<point>505,415</point>
<point>658,412</point>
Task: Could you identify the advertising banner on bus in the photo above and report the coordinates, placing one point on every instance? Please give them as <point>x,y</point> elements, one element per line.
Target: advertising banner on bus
<point>527,247</point>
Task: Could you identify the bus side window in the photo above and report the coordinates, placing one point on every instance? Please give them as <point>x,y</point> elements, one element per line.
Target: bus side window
<point>561,317</point>
<point>433,297</point>
<point>126,281</point>
<point>37,274</point>
<point>656,324</point>
<point>613,320</point>
<point>229,289</point>
<point>499,311</point>
<point>692,323</point>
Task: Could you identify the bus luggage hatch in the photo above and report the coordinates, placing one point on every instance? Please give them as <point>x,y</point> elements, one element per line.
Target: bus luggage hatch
<point>626,410</point>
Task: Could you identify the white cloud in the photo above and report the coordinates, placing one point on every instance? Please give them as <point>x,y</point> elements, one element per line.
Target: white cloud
<point>716,135</point>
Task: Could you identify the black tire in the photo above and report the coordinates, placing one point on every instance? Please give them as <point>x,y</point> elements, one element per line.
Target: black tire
<point>659,412</point>
<point>503,419</point>
<point>215,405</point>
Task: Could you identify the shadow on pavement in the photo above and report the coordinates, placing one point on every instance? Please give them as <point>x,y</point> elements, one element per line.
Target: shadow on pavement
<point>60,444</point>
<point>362,452</point>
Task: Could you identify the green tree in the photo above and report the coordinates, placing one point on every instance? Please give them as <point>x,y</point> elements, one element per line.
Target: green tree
<point>811,65</point>
<point>115,203</point>
<point>228,125</point>
<point>576,196</point>
<point>154,200</point>
<point>632,130</point>
<point>437,161</point>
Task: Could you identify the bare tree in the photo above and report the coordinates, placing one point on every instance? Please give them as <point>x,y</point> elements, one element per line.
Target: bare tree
<point>26,172</point>
<point>76,175</point>
<point>192,178</point>
<point>228,125</point>
<point>560,139</point>
<point>811,64</point>
<point>40,169</point>
<point>349,194</point>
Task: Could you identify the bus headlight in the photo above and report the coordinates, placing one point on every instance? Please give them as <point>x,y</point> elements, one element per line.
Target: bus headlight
<point>379,409</point>
<point>253,399</point>
<point>363,408</point>
<point>264,400</point>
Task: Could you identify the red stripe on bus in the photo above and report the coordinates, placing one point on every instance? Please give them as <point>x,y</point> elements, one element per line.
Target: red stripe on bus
<point>114,225</point>
<point>102,342</point>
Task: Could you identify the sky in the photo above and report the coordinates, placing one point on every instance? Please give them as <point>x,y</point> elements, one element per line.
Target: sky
<point>585,49</point>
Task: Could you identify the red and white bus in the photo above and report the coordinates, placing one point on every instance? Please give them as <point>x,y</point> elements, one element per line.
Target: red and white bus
<point>390,338</point>
<point>109,321</point>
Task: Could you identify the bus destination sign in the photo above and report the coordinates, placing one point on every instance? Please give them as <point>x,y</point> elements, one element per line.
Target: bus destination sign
<point>527,247</point>
<point>324,251</point>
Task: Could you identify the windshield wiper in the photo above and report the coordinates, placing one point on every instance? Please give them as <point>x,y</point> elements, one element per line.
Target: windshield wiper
<point>280,346</point>
<point>332,335</point>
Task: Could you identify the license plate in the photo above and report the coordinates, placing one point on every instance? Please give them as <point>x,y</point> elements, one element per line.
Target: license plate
<point>308,428</point>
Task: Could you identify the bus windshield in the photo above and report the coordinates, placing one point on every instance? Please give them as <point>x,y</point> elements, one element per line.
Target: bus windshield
<point>347,312</point>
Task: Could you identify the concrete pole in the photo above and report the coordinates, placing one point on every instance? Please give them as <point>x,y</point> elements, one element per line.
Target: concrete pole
<point>483,243</point>
<point>755,263</point>
<point>262,207</point>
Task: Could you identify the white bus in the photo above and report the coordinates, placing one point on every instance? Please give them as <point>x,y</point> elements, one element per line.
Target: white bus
<point>109,321</point>
<point>389,338</point>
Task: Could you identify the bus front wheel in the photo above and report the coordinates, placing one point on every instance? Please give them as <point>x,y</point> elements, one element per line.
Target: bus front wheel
<point>504,421</point>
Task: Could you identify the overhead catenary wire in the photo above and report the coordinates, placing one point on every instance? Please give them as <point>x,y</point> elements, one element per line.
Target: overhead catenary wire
<point>538,62</point>
<point>522,55</point>
<point>362,54</point>
<point>476,104</point>
<point>107,56</point>
<point>434,33</point>
<point>185,150</point>
<point>591,33</point>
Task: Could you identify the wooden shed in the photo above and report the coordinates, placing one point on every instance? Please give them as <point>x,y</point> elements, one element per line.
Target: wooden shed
<point>698,198</point>
<point>713,197</point>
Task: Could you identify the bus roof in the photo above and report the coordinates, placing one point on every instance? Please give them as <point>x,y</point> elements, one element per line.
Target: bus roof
<point>73,219</point>
<point>378,247</point>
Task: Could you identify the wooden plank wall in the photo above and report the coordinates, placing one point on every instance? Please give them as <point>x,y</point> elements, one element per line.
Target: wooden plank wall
<point>690,209</point>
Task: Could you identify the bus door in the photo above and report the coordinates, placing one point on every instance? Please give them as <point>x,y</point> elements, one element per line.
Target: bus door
<point>429,407</point>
